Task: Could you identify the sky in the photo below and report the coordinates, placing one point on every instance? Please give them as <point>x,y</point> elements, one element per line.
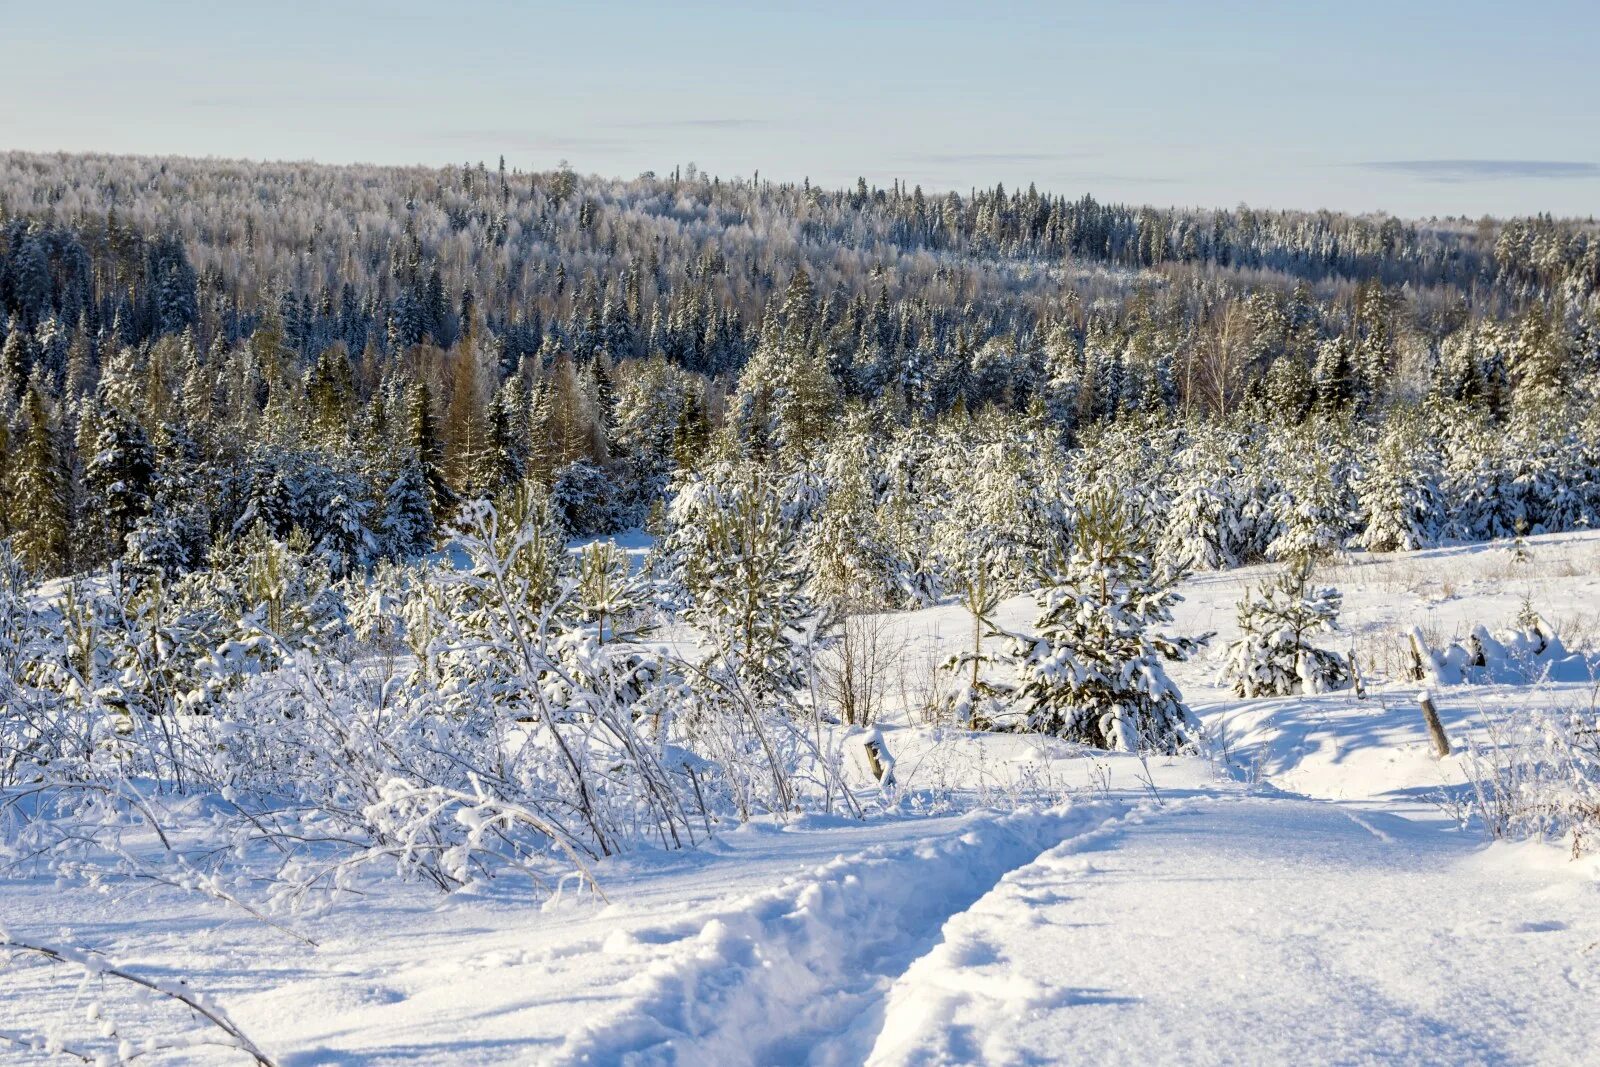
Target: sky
<point>1416,108</point>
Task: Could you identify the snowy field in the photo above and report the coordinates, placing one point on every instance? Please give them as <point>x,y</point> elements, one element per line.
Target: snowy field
<point>1305,892</point>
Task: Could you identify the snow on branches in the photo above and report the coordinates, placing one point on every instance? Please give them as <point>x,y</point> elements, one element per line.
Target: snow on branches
<point>1094,671</point>
<point>1273,654</point>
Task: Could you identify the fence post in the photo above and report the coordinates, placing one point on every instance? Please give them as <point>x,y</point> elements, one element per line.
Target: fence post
<point>1430,715</point>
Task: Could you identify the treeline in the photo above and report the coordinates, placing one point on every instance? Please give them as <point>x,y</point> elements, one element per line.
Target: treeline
<point>344,355</point>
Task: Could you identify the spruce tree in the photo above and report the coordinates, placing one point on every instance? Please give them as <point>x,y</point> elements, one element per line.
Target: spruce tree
<point>424,446</point>
<point>172,538</point>
<point>406,521</point>
<point>119,476</point>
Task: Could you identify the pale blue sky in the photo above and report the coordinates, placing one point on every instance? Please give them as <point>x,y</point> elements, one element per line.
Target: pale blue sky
<point>1416,108</point>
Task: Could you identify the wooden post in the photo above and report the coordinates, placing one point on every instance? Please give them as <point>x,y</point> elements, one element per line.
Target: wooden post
<point>874,758</point>
<point>1418,671</point>
<point>1430,715</point>
<point>1355,675</point>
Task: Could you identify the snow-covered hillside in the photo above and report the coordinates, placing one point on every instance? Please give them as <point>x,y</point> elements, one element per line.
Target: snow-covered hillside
<point>1306,891</point>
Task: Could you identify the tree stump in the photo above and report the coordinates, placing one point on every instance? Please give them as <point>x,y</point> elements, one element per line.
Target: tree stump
<point>875,754</point>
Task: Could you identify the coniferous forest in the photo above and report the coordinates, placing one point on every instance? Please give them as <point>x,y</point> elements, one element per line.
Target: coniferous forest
<point>343,356</point>
<point>369,533</point>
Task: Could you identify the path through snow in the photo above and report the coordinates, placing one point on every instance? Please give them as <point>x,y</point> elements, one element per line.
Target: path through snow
<point>1263,929</point>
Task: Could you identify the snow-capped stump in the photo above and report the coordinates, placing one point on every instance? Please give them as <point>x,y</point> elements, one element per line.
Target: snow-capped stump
<point>879,760</point>
<point>869,753</point>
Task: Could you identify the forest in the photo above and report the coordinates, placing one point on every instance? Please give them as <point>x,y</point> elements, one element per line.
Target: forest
<point>370,525</point>
<point>345,355</point>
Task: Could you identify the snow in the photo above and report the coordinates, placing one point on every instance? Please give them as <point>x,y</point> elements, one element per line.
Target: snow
<point>1306,894</point>
<point>1269,930</point>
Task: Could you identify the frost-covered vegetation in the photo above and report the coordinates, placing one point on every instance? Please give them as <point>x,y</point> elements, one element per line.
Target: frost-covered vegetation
<point>241,405</point>
<point>190,347</point>
<point>294,458</point>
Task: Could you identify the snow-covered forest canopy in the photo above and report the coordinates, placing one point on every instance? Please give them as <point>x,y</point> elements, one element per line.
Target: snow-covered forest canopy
<point>194,347</point>
<point>372,528</point>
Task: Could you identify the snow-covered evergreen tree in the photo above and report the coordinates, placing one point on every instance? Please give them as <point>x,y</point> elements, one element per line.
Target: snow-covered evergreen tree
<point>1094,671</point>
<point>1273,654</point>
<point>119,477</point>
<point>406,523</point>
<point>732,560</point>
<point>1312,522</point>
<point>852,566</point>
<point>39,502</point>
<point>606,593</point>
<point>172,538</point>
<point>1396,493</point>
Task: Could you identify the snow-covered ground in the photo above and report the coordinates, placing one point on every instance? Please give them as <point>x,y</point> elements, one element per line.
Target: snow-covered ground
<point>1303,895</point>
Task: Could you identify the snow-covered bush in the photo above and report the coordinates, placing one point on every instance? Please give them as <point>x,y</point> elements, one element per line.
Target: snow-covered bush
<point>1529,651</point>
<point>1538,775</point>
<point>1273,654</point>
<point>527,736</point>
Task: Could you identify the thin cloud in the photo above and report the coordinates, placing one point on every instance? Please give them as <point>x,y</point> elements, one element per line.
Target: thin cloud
<point>1485,170</point>
<point>959,158</point>
<point>523,141</point>
<point>696,124</point>
<point>279,101</point>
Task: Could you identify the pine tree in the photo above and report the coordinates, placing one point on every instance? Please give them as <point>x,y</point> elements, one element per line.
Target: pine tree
<point>606,593</point>
<point>1200,518</point>
<point>40,517</point>
<point>1094,673</point>
<point>1273,654</point>
<point>852,567</point>
<point>731,561</point>
<point>1312,521</point>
